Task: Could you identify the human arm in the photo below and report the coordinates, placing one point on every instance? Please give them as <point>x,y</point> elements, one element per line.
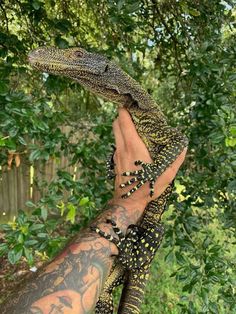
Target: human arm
<point>72,282</point>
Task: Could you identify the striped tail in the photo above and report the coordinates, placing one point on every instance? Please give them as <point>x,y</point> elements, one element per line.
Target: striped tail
<point>133,293</point>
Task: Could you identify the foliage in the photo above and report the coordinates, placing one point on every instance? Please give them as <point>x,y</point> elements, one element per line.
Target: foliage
<point>40,235</point>
<point>183,52</point>
<point>27,236</point>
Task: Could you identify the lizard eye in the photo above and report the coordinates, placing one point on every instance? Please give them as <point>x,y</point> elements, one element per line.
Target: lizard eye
<point>106,68</point>
<point>78,53</point>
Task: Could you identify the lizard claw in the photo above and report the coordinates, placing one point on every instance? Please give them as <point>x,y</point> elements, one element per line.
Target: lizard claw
<point>110,164</point>
<point>121,237</point>
<point>131,181</point>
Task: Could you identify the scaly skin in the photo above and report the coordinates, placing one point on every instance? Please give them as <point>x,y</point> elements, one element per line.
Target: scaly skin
<point>136,252</point>
<point>106,79</point>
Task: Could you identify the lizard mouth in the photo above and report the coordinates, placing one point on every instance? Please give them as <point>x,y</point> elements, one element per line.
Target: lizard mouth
<point>53,67</point>
<point>57,67</point>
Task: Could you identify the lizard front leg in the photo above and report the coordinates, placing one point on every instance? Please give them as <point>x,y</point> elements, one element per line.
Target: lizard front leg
<point>151,171</point>
<point>138,247</point>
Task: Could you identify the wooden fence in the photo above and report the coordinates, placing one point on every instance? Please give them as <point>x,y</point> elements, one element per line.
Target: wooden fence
<point>17,184</point>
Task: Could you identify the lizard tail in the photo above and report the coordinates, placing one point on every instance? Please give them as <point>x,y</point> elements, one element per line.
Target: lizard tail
<point>133,294</point>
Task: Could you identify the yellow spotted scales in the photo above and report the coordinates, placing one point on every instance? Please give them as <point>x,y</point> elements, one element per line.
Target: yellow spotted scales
<point>137,248</point>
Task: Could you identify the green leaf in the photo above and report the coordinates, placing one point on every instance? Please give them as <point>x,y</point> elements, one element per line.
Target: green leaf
<point>3,248</point>
<point>22,141</point>
<point>120,4</point>
<point>180,258</point>
<point>232,185</point>
<point>36,227</point>
<point>169,258</point>
<point>42,235</point>
<point>13,131</point>
<point>14,255</point>
<point>61,43</point>
<point>206,242</point>
<point>29,256</point>
<point>194,12</point>
<point>35,155</point>
<point>230,142</point>
<point>36,4</point>
<point>3,88</point>
<point>3,54</point>
<point>30,204</point>
<point>63,25</point>
<point>232,77</point>
<point>71,213</point>
<point>232,130</point>
<point>181,277</point>
<point>20,238</point>
<point>2,142</point>
<point>214,279</point>
<point>83,201</point>
<point>5,227</point>
<point>214,307</point>
<point>30,242</point>
<point>44,213</point>
<point>215,249</point>
<point>131,8</point>
<point>187,244</point>
<point>11,144</point>
<point>204,295</point>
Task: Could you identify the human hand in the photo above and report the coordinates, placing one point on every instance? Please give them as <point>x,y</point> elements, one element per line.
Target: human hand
<point>130,147</point>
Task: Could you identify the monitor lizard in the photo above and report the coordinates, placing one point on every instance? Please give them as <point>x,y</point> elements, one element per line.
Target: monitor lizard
<point>106,79</point>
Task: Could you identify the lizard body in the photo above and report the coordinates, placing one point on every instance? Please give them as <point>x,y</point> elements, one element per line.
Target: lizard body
<point>103,77</point>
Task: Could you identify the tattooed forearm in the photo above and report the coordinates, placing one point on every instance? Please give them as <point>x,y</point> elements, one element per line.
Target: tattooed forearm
<point>72,282</point>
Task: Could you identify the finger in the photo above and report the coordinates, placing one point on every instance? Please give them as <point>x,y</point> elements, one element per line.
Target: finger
<point>134,189</point>
<point>126,124</point>
<point>132,141</point>
<point>119,139</point>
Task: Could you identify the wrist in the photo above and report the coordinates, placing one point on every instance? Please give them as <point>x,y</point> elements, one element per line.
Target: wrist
<point>123,212</point>
<point>130,205</point>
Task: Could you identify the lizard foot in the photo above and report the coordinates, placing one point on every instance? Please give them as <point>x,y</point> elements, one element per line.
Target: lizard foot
<point>148,173</point>
<point>138,247</point>
<point>109,237</point>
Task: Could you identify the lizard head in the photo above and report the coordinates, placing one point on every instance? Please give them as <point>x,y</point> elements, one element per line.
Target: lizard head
<point>93,71</point>
<point>72,62</point>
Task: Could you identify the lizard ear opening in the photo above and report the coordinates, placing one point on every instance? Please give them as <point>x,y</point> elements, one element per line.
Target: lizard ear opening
<point>106,68</point>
